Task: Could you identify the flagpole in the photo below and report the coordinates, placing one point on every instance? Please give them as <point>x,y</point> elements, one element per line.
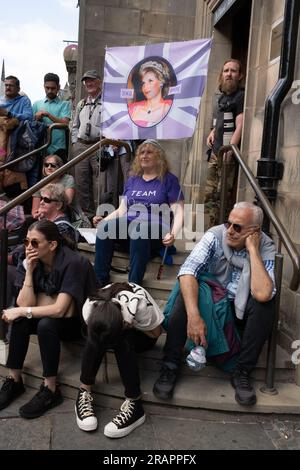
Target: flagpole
<point>161,267</point>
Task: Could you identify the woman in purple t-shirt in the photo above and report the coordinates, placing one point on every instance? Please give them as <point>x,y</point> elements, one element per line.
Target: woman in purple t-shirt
<point>143,222</point>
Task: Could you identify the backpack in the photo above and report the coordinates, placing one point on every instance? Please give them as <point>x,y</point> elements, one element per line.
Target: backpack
<point>78,218</point>
<point>28,136</point>
<point>75,231</point>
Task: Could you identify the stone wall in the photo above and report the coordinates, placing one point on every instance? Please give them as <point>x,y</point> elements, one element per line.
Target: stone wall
<point>133,22</point>
<point>262,75</point>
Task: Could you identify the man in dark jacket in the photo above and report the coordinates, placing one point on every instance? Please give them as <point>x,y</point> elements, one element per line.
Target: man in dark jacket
<point>227,129</point>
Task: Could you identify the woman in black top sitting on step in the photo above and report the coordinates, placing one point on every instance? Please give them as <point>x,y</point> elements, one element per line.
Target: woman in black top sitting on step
<point>54,282</point>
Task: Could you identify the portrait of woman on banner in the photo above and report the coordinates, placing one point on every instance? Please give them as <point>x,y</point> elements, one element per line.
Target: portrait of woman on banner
<point>151,81</point>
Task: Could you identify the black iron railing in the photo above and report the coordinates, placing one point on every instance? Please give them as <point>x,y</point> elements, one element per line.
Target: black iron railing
<point>29,192</point>
<point>283,238</point>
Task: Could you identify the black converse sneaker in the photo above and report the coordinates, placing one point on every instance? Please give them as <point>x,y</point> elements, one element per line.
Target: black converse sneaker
<point>84,410</point>
<point>130,417</point>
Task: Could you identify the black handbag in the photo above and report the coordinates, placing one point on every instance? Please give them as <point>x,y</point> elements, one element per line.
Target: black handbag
<point>105,159</point>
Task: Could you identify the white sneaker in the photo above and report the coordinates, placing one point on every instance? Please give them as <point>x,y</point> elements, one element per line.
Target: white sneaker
<point>130,417</point>
<point>85,413</point>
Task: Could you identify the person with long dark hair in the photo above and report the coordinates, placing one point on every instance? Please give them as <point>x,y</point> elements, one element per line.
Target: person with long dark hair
<point>123,317</point>
<point>54,282</point>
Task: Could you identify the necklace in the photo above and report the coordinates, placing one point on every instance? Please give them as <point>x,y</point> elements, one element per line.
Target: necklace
<point>149,111</point>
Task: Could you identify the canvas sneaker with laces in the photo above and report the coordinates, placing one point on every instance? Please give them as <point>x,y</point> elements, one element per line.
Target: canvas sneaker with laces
<point>10,390</point>
<point>85,413</point>
<point>42,401</point>
<point>131,416</point>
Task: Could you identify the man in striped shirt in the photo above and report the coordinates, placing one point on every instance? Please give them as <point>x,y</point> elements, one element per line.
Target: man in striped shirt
<point>241,257</point>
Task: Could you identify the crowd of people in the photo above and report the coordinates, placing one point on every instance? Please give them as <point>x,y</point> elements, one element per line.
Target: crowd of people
<point>222,306</point>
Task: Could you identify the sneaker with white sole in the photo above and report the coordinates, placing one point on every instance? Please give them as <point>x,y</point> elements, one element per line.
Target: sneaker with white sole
<point>84,410</point>
<point>131,416</point>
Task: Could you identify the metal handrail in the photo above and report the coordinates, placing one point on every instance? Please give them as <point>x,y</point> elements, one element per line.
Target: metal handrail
<point>43,147</point>
<point>62,170</point>
<point>281,231</point>
<point>29,192</point>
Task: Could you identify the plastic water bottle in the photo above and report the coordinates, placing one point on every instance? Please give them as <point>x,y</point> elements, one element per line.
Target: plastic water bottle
<point>196,359</point>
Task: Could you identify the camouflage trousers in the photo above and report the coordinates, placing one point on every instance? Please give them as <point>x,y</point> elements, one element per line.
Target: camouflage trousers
<point>213,190</point>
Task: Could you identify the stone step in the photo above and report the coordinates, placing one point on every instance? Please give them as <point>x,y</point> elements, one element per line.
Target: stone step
<point>209,389</point>
<point>158,289</point>
<point>89,252</point>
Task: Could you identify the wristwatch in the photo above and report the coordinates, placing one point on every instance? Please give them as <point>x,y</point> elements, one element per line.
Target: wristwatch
<point>29,313</point>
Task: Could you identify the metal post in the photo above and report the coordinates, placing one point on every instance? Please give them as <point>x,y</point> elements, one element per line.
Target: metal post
<point>271,358</point>
<point>223,194</point>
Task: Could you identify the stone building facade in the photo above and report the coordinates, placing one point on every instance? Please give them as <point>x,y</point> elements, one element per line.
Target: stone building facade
<point>249,30</point>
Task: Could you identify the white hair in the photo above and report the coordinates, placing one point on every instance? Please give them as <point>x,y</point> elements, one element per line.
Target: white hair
<point>258,215</point>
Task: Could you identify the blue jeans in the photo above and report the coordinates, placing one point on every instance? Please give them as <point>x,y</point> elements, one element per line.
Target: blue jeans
<point>140,249</point>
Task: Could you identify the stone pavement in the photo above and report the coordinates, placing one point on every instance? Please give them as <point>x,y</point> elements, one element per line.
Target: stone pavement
<point>165,428</point>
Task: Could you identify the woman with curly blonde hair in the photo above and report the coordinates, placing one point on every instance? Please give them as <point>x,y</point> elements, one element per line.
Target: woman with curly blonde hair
<point>162,165</point>
<point>142,223</point>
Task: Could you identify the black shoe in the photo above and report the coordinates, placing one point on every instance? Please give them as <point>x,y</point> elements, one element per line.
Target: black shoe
<point>130,417</point>
<point>244,392</point>
<point>42,401</point>
<point>164,386</point>
<point>85,414</point>
<point>9,391</point>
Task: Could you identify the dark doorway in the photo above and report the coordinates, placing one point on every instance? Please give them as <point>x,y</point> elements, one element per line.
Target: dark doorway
<point>235,25</point>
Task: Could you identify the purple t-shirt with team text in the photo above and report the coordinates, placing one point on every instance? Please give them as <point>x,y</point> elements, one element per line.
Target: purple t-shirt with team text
<point>154,195</point>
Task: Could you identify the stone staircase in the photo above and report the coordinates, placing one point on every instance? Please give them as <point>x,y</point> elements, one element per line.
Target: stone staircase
<point>208,389</point>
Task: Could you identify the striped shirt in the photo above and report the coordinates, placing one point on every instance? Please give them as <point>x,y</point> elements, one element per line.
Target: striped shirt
<point>205,258</point>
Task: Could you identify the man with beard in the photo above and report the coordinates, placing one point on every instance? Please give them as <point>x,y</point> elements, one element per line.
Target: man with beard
<point>51,110</point>
<point>14,104</point>
<point>227,129</point>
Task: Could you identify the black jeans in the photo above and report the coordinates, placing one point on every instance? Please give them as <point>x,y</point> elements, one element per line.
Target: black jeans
<point>131,342</point>
<point>49,331</point>
<point>257,322</point>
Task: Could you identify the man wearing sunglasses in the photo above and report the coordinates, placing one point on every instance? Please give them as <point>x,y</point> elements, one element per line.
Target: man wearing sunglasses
<point>241,258</point>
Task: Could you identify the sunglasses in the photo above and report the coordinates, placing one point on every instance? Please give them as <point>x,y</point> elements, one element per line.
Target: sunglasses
<point>34,243</point>
<point>236,227</point>
<point>47,200</point>
<point>50,165</point>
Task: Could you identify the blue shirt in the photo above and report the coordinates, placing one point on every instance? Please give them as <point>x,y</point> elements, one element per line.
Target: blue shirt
<point>19,107</point>
<point>60,109</point>
<point>205,257</point>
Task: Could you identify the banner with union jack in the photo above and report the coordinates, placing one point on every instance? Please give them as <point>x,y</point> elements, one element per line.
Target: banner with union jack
<point>154,91</point>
